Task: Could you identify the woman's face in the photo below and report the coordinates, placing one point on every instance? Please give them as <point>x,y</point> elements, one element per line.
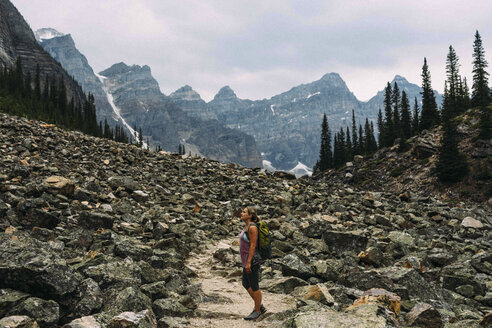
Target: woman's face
<point>245,215</point>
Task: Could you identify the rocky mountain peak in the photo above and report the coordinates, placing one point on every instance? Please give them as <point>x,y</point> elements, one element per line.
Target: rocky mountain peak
<point>399,80</point>
<point>185,93</point>
<point>47,33</point>
<point>118,68</point>
<point>225,93</point>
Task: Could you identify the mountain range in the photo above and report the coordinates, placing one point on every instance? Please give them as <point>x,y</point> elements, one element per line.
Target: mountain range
<point>285,127</point>
<point>131,97</point>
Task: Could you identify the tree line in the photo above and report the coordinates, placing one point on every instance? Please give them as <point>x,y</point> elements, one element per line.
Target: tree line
<point>400,123</point>
<point>23,94</point>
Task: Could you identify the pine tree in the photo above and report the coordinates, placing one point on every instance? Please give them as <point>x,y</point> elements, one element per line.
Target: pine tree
<point>389,132</point>
<point>415,118</point>
<point>395,98</point>
<point>356,149</point>
<point>382,135</point>
<point>325,153</point>
<point>349,148</point>
<point>452,165</point>
<point>480,88</point>
<point>429,116</point>
<point>361,142</point>
<point>406,125</point>
<point>453,77</point>
<point>140,138</point>
<point>37,83</point>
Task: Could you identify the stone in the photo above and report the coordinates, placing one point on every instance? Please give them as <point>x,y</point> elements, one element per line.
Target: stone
<point>283,285</point>
<point>318,293</point>
<point>91,298</point>
<point>143,319</point>
<point>125,182</point>
<point>169,307</point>
<point>129,299</point>
<point>372,256</point>
<point>389,300</point>
<point>401,238</point>
<point>341,242</point>
<point>46,313</point>
<point>424,315</point>
<point>328,270</point>
<point>9,298</point>
<point>18,321</point>
<point>470,222</point>
<point>84,322</point>
<point>453,282</point>
<point>294,266</point>
<point>140,196</point>
<point>95,220</point>
<point>32,266</point>
<point>61,185</point>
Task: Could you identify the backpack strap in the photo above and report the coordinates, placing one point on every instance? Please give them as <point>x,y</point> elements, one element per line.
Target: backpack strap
<point>247,229</point>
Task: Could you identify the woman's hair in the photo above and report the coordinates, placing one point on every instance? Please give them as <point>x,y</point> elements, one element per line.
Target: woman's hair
<point>252,212</point>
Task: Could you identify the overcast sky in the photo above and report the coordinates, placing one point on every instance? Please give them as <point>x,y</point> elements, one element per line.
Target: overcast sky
<point>264,47</point>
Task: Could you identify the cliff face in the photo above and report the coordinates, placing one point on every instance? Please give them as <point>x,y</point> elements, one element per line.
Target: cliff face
<point>138,99</point>
<point>62,48</point>
<point>17,40</point>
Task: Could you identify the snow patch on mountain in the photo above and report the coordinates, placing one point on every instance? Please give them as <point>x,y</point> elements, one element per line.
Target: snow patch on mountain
<point>47,33</point>
<point>116,110</point>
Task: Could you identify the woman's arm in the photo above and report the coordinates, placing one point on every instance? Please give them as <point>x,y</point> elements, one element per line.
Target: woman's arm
<point>253,237</point>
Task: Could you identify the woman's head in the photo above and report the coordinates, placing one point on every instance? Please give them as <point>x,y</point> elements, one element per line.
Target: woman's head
<point>249,213</point>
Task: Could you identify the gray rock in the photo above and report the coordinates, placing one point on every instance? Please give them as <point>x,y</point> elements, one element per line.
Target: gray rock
<point>283,285</point>
<point>46,313</point>
<point>18,321</point>
<point>143,319</point>
<point>169,307</point>
<point>341,242</point>
<point>31,266</point>
<point>294,266</point>
<point>95,220</point>
<point>424,315</point>
<point>84,322</point>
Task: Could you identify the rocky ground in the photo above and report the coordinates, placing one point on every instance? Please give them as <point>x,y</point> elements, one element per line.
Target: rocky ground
<point>96,233</point>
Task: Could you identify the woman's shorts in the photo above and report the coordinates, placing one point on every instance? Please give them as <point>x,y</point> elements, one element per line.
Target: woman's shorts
<point>252,279</point>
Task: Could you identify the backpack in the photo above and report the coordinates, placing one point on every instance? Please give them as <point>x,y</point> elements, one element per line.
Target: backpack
<point>264,240</point>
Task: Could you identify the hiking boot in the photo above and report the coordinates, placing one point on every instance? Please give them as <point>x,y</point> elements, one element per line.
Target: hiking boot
<point>262,309</point>
<point>253,315</point>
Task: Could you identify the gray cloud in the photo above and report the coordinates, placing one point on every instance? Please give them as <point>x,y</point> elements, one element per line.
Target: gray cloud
<point>261,48</point>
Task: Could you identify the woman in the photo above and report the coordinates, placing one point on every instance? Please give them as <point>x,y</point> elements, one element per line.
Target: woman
<point>248,241</point>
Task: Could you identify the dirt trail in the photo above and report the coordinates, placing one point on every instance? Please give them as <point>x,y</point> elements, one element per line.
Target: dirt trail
<point>227,302</point>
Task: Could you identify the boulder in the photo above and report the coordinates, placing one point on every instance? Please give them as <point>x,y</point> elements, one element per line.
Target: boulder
<point>424,315</point>
<point>18,321</point>
<point>128,299</point>
<point>341,242</point>
<point>143,319</point>
<point>470,222</point>
<point>283,285</point>
<point>10,298</point>
<point>84,322</point>
<point>33,267</point>
<point>46,313</point>
<point>60,185</point>
<point>389,300</point>
<point>169,307</point>
<point>292,265</point>
<point>125,182</point>
<point>318,293</point>
<point>372,256</point>
<point>95,220</point>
